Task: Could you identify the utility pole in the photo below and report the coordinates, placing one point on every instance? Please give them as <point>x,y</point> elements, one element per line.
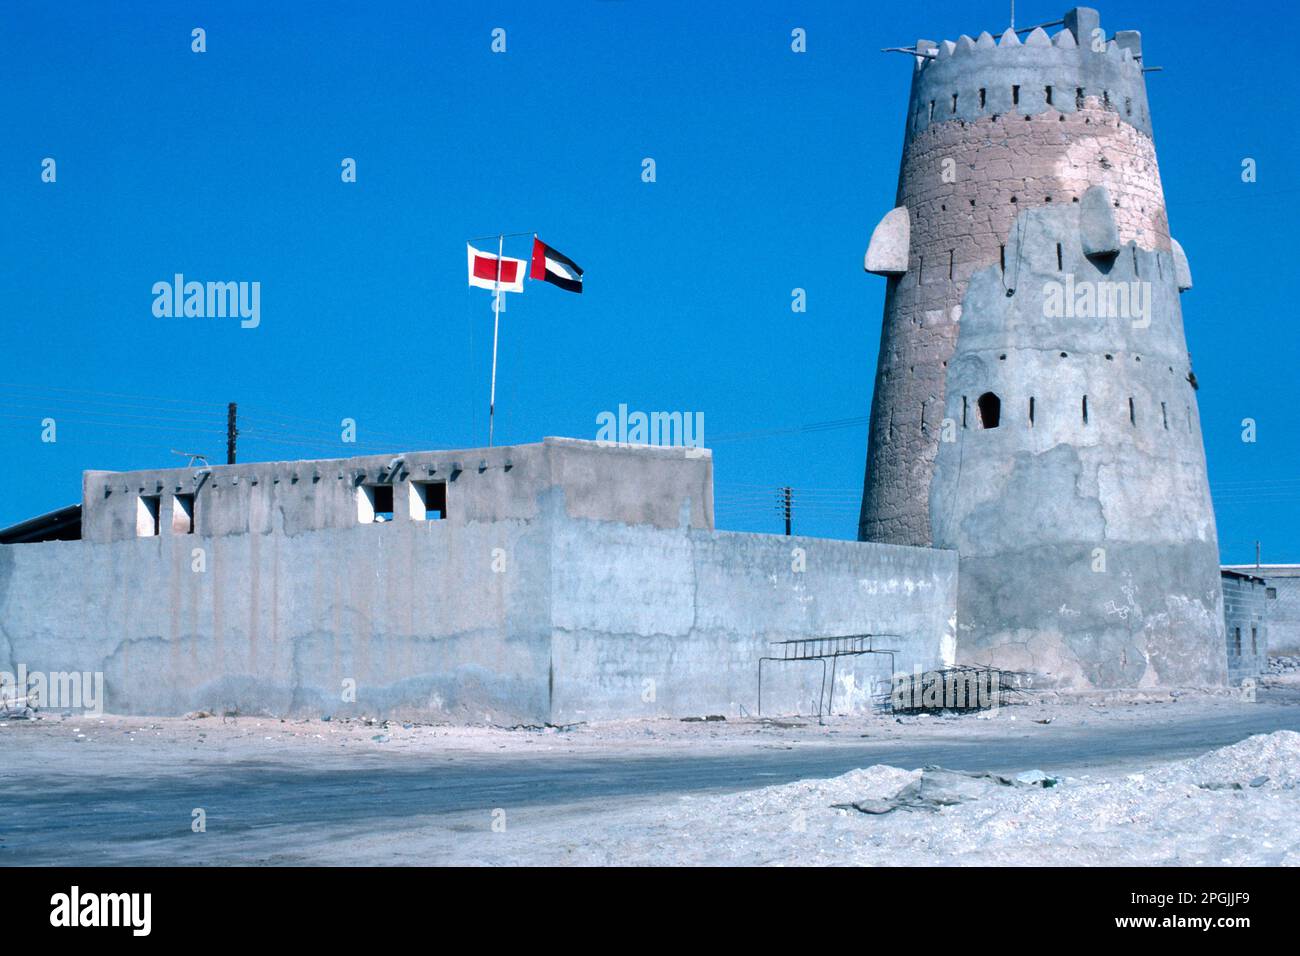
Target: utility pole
<point>232,431</point>
<point>787,507</point>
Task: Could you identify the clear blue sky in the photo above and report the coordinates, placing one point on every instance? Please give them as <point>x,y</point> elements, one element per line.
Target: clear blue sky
<point>772,169</point>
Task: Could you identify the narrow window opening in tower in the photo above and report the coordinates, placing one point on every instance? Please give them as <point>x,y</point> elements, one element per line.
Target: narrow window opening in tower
<point>1164,415</point>
<point>1160,269</point>
<point>1128,106</point>
<point>1132,412</point>
<point>920,270</point>
<point>1135,261</point>
<point>1049,96</point>
<point>964,406</point>
<point>1060,261</point>
<point>990,407</point>
<point>954,102</point>
<point>1002,257</point>
<point>931,109</point>
<point>1085,409</point>
<point>1031,411</point>
<point>1105,98</point>
<point>923,418</point>
<point>1078,97</point>
<point>1015,96</point>
<point>951,254</point>
<point>983,97</point>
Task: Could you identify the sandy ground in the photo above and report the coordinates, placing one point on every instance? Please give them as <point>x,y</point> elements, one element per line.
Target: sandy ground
<point>204,735</point>
<point>277,789</point>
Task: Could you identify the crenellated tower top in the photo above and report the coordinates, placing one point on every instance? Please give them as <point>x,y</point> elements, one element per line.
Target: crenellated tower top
<point>965,79</point>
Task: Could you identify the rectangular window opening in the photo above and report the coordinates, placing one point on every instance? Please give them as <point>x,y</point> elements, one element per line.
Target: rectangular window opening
<point>1085,409</point>
<point>964,406</point>
<point>983,98</point>
<point>1031,411</point>
<point>1015,96</point>
<point>1236,641</point>
<point>428,500</point>
<point>374,504</point>
<point>1060,258</point>
<point>951,255</point>
<point>931,109</point>
<point>146,516</point>
<point>1254,640</point>
<point>1078,97</point>
<point>1164,415</point>
<point>1002,258</point>
<point>1049,96</point>
<point>1132,412</point>
<point>183,514</point>
<point>954,102</point>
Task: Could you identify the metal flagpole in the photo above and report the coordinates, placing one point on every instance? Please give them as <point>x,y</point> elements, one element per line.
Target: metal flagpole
<point>496,326</point>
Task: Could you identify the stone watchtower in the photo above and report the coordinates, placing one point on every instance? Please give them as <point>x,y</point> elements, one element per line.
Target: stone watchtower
<point>1035,408</point>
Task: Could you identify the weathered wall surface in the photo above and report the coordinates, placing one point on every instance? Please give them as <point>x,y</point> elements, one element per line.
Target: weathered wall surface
<point>627,644</point>
<point>1245,611</point>
<point>609,482</point>
<point>551,591</point>
<point>275,623</point>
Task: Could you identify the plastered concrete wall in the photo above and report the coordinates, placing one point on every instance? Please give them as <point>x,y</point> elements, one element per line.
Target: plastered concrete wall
<point>275,623</point>
<point>550,592</point>
<point>626,643</point>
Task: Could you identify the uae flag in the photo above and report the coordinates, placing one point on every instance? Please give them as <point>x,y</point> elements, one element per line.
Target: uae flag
<point>553,266</point>
<point>483,271</point>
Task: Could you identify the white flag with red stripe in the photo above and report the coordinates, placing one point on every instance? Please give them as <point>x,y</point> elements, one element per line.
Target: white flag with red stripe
<point>483,271</point>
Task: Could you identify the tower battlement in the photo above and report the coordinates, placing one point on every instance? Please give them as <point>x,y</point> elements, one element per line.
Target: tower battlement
<point>965,79</point>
